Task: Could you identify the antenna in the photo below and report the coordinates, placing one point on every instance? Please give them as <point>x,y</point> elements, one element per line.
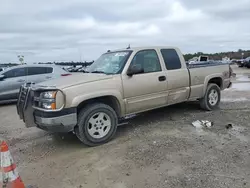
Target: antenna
<point>128,47</point>
<point>108,51</point>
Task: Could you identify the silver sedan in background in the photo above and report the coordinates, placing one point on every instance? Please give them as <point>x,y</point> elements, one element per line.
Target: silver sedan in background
<point>12,78</point>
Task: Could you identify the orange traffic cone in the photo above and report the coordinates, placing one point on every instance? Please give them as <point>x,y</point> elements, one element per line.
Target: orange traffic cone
<point>9,175</point>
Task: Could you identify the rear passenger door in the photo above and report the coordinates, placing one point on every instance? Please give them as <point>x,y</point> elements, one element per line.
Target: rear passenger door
<point>39,74</point>
<point>177,77</point>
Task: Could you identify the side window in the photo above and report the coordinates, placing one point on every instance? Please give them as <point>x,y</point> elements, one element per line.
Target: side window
<point>171,59</point>
<point>18,72</point>
<point>39,70</point>
<point>49,70</point>
<point>148,60</point>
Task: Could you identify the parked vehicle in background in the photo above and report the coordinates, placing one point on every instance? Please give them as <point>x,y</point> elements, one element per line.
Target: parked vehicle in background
<point>198,60</point>
<point>76,69</point>
<point>11,79</point>
<point>2,69</point>
<point>120,83</point>
<point>240,62</point>
<point>247,62</point>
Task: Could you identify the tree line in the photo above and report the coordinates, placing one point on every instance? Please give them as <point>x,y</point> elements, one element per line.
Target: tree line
<point>218,56</point>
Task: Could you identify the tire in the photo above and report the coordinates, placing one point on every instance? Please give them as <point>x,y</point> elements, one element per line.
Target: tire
<point>91,125</point>
<point>206,103</point>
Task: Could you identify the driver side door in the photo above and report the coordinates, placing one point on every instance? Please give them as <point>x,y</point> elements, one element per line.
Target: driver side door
<point>146,90</point>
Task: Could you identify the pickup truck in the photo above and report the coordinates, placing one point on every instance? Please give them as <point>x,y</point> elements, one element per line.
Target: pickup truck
<point>118,84</point>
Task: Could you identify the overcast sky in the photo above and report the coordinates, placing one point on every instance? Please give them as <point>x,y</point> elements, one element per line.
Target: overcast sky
<point>65,30</point>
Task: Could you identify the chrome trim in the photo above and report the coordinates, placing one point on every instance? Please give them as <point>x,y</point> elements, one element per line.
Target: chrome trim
<point>37,99</point>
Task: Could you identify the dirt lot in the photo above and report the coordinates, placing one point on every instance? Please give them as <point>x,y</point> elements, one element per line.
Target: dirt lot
<point>157,149</point>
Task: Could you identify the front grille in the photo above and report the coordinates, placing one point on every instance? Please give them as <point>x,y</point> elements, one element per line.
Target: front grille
<point>22,100</point>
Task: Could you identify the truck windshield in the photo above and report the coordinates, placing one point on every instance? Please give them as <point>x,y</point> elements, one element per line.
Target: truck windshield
<point>110,63</point>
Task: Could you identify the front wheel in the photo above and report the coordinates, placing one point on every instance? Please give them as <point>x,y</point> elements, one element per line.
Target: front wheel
<point>211,99</point>
<point>97,124</point>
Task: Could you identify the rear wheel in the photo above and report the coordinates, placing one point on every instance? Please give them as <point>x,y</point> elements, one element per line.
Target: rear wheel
<point>97,124</point>
<point>211,99</point>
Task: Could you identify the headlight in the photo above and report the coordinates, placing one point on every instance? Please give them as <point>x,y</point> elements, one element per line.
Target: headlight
<point>48,95</point>
<point>51,100</point>
<point>46,105</point>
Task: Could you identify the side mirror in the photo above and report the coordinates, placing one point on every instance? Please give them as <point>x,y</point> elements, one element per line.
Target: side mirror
<point>2,77</point>
<point>134,70</point>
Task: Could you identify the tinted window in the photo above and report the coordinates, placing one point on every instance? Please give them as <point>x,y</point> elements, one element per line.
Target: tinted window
<point>171,59</point>
<point>39,70</point>
<point>148,60</point>
<point>15,72</point>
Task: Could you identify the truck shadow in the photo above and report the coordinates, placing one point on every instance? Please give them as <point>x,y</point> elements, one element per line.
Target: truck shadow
<point>169,113</point>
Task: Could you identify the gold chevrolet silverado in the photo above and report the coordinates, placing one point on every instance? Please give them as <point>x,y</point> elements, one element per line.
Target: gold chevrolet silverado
<point>118,84</point>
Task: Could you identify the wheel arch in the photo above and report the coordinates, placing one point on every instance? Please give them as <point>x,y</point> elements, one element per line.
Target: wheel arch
<point>213,79</point>
<point>110,100</point>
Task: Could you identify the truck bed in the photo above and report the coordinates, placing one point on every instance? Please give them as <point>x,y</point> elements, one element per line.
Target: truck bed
<point>200,73</point>
<point>205,64</point>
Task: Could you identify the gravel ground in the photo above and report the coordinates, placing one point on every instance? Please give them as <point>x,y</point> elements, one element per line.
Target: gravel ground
<point>156,149</point>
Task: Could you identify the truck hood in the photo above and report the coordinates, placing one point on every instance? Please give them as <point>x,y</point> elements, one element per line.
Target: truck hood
<point>74,79</point>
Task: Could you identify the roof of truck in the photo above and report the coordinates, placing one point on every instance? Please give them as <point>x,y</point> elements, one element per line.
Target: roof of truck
<point>144,47</point>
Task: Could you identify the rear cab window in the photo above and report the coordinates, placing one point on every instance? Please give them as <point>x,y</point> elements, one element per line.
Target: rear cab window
<point>171,59</point>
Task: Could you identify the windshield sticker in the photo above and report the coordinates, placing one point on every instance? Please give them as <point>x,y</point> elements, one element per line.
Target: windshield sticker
<point>121,54</point>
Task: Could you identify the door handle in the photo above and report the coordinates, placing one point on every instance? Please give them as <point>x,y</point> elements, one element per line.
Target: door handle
<point>48,77</point>
<point>20,80</point>
<point>162,78</point>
